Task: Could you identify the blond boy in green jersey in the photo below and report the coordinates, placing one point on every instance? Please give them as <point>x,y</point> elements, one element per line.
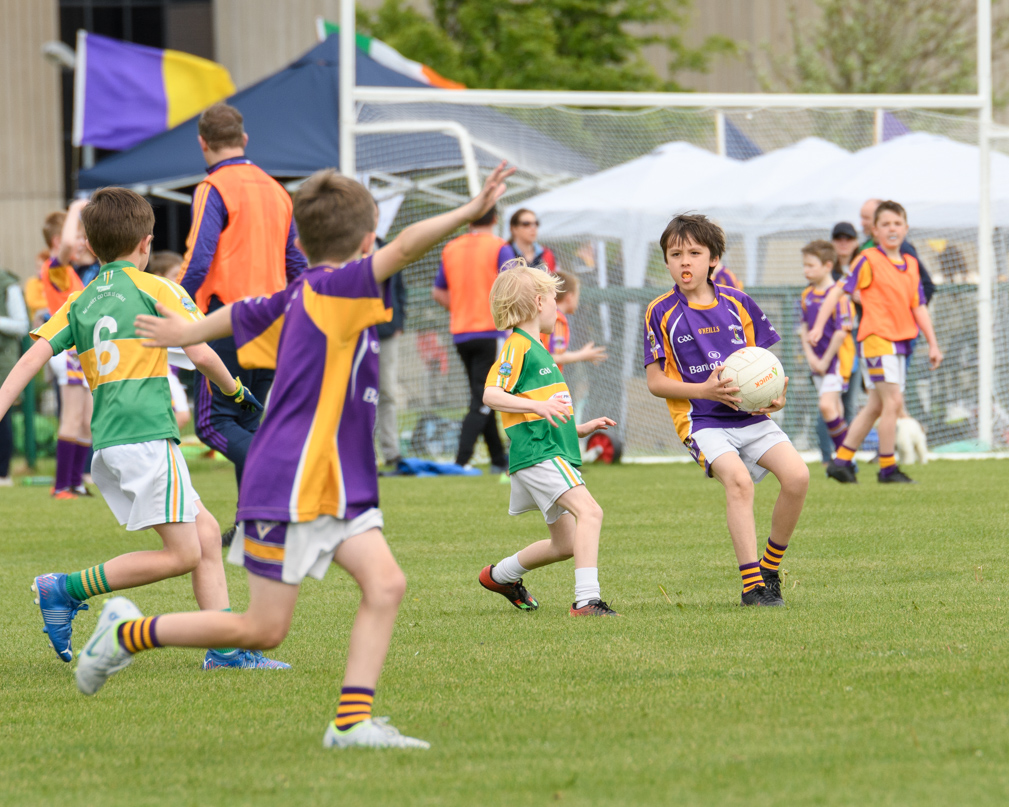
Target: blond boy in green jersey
<point>137,466</point>
<point>527,387</point>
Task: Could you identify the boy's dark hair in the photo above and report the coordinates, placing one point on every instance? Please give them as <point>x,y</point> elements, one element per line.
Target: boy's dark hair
<point>487,218</point>
<point>697,228</point>
<point>221,127</point>
<point>893,207</point>
<point>53,226</point>
<point>333,213</point>
<point>569,285</point>
<point>115,221</point>
<point>162,261</point>
<point>823,251</point>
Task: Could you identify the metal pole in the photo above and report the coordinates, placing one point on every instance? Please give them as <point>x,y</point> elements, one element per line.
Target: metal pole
<point>720,149</point>
<point>986,251</point>
<point>348,80</point>
<point>877,126</point>
<point>28,410</point>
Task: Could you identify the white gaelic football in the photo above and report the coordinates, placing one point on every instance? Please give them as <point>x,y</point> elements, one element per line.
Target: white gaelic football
<point>758,374</point>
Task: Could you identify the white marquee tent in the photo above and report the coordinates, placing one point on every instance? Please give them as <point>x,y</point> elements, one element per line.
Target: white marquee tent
<point>810,185</point>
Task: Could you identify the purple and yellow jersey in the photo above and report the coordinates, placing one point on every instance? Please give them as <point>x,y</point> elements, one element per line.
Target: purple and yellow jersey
<point>688,340</point>
<point>887,301</point>
<point>133,399</point>
<point>841,320</point>
<point>313,454</point>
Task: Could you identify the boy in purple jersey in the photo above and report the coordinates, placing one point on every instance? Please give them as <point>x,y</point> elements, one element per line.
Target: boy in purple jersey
<point>309,495</point>
<point>830,360</point>
<point>688,332</point>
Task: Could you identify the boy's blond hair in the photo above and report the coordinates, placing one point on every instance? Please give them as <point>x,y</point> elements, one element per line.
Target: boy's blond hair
<point>513,295</point>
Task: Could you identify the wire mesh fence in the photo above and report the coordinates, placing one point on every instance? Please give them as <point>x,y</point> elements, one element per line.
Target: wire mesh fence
<point>617,258</point>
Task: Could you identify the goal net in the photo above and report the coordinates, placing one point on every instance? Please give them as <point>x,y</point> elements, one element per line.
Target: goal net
<point>603,182</point>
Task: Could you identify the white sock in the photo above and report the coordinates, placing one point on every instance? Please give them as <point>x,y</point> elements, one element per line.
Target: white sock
<point>509,570</point>
<point>586,585</point>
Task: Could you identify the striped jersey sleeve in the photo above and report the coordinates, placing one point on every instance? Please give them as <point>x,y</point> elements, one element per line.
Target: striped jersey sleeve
<point>507,369</point>
<point>56,330</point>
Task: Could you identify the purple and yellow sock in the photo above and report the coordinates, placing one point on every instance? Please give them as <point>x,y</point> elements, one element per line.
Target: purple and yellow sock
<point>88,583</point>
<point>773,553</point>
<point>887,464</point>
<point>751,576</point>
<point>845,455</point>
<point>66,452</point>
<point>355,707</point>
<point>838,429</point>
<point>138,634</point>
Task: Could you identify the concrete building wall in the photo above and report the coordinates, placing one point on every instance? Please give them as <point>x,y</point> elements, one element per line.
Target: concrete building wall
<point>31,156</point>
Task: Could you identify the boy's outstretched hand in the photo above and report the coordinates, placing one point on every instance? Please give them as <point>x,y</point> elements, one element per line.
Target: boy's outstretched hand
<point>493,189</point>
<point>163,331</point>
<point>595,425</point>
<point>776,404</point>
<point>722,390</point>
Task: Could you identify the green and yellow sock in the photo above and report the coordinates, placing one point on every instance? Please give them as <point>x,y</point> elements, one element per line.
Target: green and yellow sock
<point>88,583</point>
<point>751,576</point>
<point>355,707</point>
<point>773,554</point>
<point>138,634</point>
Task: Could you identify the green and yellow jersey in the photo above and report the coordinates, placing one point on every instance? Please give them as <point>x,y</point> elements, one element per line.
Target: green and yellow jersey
<point>133,402</point>
<point>527,370</point>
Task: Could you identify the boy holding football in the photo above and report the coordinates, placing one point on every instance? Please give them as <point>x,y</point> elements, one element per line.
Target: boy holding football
<point>893,313</point>
<point>527,387</point>
<point>309,494</point>
<point>687,332</point>
<point>831,358</point>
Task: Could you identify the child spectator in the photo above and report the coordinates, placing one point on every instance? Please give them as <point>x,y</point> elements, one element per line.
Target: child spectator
<point>526,386</point>
<point>723,276</point>
<point>167,264</point>
<point>893,311</point>
<point>687,331</point>
<point>559,341</point>
<point>35,294</point>
<point>65,239</point>
<point>309,496</point>
<point>830,360</point>
<point>137,465</point>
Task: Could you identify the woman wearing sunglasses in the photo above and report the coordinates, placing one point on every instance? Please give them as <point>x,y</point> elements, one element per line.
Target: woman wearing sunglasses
<point>524,229</point>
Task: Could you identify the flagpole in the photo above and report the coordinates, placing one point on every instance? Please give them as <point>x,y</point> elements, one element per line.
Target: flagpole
<point>348,81</point>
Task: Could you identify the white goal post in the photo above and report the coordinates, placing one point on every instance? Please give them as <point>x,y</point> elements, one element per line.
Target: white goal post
<point>352,97</point>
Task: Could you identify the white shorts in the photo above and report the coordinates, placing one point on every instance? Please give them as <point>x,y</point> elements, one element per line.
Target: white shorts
<point>145,484</point>
<point>891,369</point>
<point>831,382</point>
<point>749,442</point>
<point>290,551</point>
<point>538,487</point>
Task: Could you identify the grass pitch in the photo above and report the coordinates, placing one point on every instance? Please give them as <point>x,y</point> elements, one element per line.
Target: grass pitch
<point>883,682</point>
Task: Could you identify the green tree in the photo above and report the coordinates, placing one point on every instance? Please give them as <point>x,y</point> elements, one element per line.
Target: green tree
<point>881,46</point>
<point>545,44</point>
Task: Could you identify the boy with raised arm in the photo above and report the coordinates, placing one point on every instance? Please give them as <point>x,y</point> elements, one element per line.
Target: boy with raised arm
<point>831,358</point>
<point>893,312</point>
<point>688,331</point>
<point>527,387</point>
<point>137,466</point>
<point>309,494</point>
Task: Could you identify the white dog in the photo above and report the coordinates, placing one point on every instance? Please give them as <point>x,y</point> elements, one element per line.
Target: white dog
<point>911,443</point>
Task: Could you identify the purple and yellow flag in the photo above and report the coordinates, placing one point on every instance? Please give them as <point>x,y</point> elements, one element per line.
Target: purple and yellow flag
<point>125,93</point>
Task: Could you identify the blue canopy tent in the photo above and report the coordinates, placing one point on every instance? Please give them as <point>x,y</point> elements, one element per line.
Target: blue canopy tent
<point>292,118</point>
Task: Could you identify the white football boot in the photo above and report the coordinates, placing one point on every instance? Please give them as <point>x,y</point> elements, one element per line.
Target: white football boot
<point>375,732</point>
<point>103,655</point>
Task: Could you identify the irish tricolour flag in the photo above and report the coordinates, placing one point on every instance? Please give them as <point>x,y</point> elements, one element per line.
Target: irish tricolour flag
<point>390,57</point>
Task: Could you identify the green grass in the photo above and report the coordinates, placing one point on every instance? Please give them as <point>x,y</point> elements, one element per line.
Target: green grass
<point>883,682</point>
